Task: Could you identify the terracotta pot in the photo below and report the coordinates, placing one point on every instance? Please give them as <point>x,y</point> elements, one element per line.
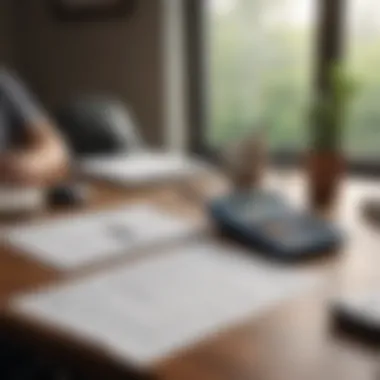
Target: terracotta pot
<point>325,170</point>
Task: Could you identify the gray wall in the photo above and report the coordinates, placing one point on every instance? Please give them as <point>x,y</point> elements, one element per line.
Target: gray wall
<point>123,57</point>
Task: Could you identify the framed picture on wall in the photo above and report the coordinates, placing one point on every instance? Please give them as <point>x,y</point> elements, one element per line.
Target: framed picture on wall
<point>87,10</point>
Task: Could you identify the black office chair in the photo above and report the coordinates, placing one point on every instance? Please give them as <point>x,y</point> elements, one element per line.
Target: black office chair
<point>97,125</point>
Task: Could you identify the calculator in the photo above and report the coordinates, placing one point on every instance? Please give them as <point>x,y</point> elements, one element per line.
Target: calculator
<point>267,223</point>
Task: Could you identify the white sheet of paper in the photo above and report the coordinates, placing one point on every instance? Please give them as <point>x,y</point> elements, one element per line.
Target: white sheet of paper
<point>141,168</point>
<point>150,309</point>
<point>71,242</point>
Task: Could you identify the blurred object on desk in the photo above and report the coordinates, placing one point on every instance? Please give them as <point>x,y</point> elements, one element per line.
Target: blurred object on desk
<point>371,211</point>
<point>75,241</point>
<point>142,169</point>
<point>268,224</point>
<point>73,194</point>
<point>358,315</point>
<point>144,312</point>
<point>20,200</point>
<point>245,161</point>
<point>326,161</point>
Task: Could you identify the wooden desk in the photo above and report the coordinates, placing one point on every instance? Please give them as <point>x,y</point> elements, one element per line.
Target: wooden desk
<point>295,342</point>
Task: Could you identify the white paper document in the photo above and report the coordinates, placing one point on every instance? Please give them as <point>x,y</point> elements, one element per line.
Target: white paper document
<point>141,168</point>
<point>72,242</point>
<point>148,310</point>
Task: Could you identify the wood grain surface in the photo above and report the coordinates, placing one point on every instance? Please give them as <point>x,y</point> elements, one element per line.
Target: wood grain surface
<point>295,341</point>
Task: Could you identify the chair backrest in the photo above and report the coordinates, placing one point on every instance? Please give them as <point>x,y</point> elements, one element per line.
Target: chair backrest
<point>97,125</point>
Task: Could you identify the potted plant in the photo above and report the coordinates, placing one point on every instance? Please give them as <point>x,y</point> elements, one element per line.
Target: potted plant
<point>326,161</point>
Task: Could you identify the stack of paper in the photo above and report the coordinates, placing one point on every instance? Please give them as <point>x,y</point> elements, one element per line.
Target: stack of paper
<point>143,168</point>
<point>145,311</point>
<point>71,242</point>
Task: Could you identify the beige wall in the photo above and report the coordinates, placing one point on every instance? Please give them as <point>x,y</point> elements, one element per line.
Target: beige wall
<point>121,57</point>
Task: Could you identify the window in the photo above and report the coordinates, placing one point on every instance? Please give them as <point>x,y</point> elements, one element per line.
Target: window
<point>261,61</point>
<point>260,69</point>
<point>363,60</point>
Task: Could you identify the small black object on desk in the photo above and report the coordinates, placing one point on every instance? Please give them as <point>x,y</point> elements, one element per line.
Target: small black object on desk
<point>358,316</point>
<point>68,195</point>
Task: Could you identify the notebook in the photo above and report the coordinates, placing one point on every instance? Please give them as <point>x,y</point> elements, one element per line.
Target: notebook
<point>159,306</point>
<point>143,168</point>
<point>75,241</point>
